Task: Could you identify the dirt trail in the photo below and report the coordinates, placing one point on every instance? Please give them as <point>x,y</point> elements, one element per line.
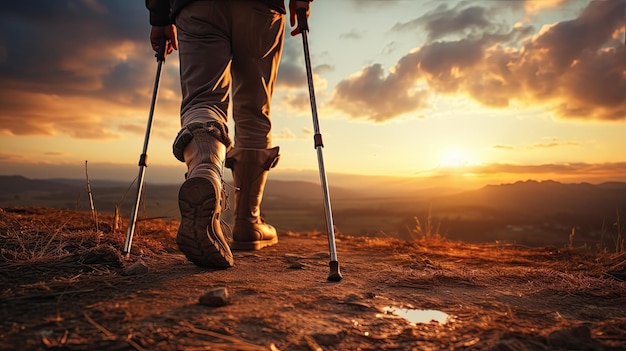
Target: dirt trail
<point>62,288</point>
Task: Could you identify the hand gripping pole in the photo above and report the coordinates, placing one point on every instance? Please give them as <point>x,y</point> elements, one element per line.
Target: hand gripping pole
<point>335,273</point>
<point>143,158</point>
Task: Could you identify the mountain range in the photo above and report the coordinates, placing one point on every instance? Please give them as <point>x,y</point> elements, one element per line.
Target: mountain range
<point>491,212</point>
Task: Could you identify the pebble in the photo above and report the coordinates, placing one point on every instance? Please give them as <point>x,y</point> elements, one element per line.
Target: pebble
<point>136,268</point>
<point>215,297</point>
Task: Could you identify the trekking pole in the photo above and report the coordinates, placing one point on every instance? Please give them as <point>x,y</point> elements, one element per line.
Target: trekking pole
<point>143,158</point>
<point>335,273</point>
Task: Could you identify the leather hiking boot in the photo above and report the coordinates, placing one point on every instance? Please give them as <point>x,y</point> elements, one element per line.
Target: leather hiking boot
<point>250,168</point>
<point>200,235</point>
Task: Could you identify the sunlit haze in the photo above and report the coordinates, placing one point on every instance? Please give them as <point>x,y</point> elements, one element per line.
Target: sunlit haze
<point>448,92</point>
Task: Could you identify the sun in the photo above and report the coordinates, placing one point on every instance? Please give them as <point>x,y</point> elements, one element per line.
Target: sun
<point>456,158</point>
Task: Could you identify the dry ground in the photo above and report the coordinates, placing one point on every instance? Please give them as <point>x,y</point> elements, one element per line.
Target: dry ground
<point>62,288</point>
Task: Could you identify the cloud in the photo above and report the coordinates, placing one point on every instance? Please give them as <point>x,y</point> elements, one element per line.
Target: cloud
<point>574,68</point>
<point>353,34</point>
<point>553,144</point>
<point>564,169</point>
<point>298,101</point>
<point>77,68</point>
<point>43,114</point>
<point>10,157</point>
<point>291,72</point>
<point>366,4</point>
<point>55,153</point>
<point>534,6</point>
<point>444,21</point>
<point>369,95</point>
<point>285,134</point>
<point>503,147</point>
<point>389,48</point>
<point>531,8</point>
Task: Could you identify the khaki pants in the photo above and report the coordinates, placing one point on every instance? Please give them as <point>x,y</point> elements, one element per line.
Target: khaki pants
<point>230,50</point>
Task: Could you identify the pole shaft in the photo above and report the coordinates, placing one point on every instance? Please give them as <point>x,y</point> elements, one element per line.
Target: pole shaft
<point>318,147</point>
<point>143,162</point>
<point>133,216</point>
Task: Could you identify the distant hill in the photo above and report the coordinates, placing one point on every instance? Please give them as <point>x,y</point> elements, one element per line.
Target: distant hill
<point>522,197</point>
<point>526,211</point>
<point>17,184</point>
<point>544,197</point>
<point>305,190</point>
<point>274,188</point>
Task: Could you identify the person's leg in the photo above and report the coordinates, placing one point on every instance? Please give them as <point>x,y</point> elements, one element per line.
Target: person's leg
<point>258,34</point>
<point>205,57</point>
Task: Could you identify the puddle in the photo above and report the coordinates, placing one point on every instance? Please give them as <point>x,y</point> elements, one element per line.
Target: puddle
<point>415,316</point>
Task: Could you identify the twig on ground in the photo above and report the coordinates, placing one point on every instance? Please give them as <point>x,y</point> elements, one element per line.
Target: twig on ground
<point>109,335</point>
<point>135,345</point>
<point>241,344</point>
<point>94,213</point>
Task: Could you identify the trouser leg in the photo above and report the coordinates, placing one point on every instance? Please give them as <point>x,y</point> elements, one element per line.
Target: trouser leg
<point>205,61</point>
<point>203,139</point>
<point>258,34</point>
<point>250,168</point>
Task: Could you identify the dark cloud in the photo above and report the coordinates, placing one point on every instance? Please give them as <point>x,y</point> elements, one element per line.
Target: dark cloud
<point>61,60</point>
<point>292,75</point>
<point>362,4</point>
<point>372,96</point>
<point>291,72</point>
<point>444,21</point>
<point>68,47</point>
<point>575,68</point>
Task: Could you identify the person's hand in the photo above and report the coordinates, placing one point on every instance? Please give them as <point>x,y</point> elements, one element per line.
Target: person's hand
<point>293,6</point>
<point>159,32</point>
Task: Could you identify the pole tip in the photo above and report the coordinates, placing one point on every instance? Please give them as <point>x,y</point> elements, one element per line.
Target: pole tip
<point>335,273</point>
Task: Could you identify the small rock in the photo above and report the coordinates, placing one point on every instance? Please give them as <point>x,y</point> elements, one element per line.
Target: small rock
<point>330,337</point>
<point>296,265</point>
<point>353,297</point>
<point>293,261</point>
<point>215,297</point>
<point>136,268</point>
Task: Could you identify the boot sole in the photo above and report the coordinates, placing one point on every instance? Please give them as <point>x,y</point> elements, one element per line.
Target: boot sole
<point>252,245</point>
<point>196,237</point>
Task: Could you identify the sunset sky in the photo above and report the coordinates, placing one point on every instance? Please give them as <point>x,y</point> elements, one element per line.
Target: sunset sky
<point>485,91</point>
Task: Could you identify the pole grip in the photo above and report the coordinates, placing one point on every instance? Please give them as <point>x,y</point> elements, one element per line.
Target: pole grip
<point>160,55</point>
<point>303,23</point>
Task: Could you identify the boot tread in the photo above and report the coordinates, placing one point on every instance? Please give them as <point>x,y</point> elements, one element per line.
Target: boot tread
<point>197,235</point>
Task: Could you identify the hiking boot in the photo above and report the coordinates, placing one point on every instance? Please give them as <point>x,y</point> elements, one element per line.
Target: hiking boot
<point>250,168</point>
<point>200,235</point>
